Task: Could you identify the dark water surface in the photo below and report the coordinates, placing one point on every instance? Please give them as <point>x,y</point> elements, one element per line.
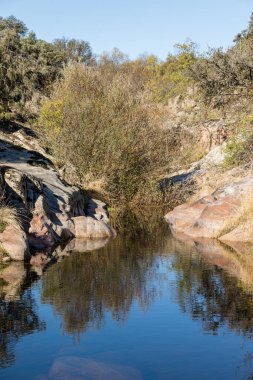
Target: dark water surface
<point>144,307</point>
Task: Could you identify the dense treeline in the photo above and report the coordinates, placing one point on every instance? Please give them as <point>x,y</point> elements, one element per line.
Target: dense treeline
<point>105,115</point>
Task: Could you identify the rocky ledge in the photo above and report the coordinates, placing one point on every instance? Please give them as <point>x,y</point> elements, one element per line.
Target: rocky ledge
<point>52,212</point>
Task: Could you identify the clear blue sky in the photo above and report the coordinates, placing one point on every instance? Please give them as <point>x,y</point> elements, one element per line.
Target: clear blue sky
<point>134,26</point>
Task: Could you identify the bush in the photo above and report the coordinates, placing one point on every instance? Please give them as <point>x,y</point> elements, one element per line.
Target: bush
<point>239,149</point>
<point>107,127</point>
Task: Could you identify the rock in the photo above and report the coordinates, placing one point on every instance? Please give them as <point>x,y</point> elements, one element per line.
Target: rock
<point>98,210</point>
<point>212,159</point>
<point>88,227</point>
<point>210,216</point>
<point>29,179</point>
<point>215,157</point>
<point>242,233</point>
<point>6,259</point>
<point>14,242</point>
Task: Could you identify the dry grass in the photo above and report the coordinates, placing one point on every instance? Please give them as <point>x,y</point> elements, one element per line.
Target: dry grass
<point>243,214</point>
<point>9,216</point>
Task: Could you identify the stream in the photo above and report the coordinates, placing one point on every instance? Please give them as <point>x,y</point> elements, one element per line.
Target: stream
<point>145,306</point>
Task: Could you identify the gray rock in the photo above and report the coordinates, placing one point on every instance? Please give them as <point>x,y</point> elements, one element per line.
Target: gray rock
<point>29,180</point>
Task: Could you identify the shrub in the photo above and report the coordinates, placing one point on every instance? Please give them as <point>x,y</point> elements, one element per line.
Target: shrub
<point>239,148</point>
<point>107,127</point>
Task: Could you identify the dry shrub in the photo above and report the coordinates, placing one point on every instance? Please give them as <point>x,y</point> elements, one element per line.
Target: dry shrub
<point>107,127</point>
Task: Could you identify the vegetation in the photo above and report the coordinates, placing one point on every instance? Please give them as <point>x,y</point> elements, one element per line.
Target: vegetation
<point>106,115</point>
<point>115,130</point>
<point>29,66</point>
<point>9,216</point>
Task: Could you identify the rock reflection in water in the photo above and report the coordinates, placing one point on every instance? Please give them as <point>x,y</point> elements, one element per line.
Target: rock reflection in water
<point>77,368</point>
<point>216,286</point>
<point>17,311</point>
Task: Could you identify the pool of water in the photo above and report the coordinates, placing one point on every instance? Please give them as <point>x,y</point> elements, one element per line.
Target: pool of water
<point>145,307</point>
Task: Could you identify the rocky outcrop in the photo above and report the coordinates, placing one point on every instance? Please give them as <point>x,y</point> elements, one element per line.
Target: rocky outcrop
<point>52,210</point>
<point>215,215</point>
<point>212,159</point>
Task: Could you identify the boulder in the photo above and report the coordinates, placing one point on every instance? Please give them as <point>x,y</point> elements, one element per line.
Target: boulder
<point>14,242</point>
<point>212,215</point>
<point>88,227</point>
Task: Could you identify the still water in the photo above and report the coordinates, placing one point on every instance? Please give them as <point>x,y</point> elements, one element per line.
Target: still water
<point>142,307</point>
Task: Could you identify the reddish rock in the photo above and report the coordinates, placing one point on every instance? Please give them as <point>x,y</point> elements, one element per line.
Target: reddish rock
<point>210,216</point>
<point>14,242</point>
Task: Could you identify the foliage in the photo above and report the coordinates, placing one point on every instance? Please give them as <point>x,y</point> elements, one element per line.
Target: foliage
<point>239,148</point>
<point>74,50</point>
<point>169,78</point>
<point>29,65</point>
<point>221,72</point>
<point>106,126</point>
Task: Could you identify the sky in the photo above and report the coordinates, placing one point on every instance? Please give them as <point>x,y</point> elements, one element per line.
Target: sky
<point>134,26</point>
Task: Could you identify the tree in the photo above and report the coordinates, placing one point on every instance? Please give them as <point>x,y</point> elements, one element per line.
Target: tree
<point>74,50</point>
<point>27,65</point>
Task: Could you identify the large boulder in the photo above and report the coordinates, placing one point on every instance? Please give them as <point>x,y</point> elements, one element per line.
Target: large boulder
<point>214,215</point>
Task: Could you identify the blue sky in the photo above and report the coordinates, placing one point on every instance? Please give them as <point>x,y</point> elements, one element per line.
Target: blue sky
<point>134,26</point>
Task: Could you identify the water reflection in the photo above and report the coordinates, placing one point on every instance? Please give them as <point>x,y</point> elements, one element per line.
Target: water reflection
<point>18,315</point>
<point>210,282</point>
<point>77,368</point>
<point>84,287</point>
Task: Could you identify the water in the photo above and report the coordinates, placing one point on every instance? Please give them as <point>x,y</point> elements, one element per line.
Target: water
<point>144,307</point>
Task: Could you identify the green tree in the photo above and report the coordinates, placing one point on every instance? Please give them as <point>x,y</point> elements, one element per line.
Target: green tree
<point>74,50</point>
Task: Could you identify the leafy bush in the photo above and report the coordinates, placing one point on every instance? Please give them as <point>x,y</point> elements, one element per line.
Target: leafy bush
<point>170,78</point>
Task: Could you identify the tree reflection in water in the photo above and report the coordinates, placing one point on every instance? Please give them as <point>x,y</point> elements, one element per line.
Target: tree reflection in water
<point>211,294</point>
<point>211,283</point>
<point>85,286</point>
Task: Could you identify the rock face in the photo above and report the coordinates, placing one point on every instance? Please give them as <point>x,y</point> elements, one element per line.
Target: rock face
<point>214,215</point>
<point>54,211</point>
